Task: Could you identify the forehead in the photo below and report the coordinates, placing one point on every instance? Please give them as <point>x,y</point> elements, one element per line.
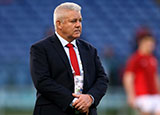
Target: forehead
<point>148,39</point>
<point>70,14</point>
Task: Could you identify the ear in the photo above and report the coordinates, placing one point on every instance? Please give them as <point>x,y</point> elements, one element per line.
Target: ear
<point>59,24</point>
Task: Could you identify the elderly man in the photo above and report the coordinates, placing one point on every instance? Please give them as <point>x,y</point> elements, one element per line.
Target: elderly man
<point>66,71</point>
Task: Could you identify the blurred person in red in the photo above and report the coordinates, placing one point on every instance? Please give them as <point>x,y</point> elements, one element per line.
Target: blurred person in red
<point>140,78</point>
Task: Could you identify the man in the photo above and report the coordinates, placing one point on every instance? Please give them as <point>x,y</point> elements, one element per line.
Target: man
<point>66,71</point>
<point>141,78</point>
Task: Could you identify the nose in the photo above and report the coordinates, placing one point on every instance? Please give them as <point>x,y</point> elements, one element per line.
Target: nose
<point>78,24</point>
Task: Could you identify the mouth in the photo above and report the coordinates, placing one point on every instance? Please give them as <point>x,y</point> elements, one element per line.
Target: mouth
<point>77,31</point>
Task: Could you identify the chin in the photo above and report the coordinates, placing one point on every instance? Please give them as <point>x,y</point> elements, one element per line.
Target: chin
<point>73,37</point>
<point>76,36</point>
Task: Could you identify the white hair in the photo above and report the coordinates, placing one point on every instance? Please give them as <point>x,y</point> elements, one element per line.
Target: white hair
<point>58,12</point>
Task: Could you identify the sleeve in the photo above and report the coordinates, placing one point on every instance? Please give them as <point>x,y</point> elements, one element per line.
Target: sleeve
<point>43,81</point>
<point>130,65</point>
<point>99,88</point>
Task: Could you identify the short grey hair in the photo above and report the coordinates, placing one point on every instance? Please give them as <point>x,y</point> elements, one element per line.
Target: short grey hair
<point>64,6</point>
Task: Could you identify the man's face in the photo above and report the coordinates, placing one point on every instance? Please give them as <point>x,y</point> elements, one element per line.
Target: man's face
<point>71,25</point>
<point>149,45</point>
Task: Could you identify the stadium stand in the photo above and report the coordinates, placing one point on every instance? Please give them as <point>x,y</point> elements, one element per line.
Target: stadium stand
<point>105,22</point>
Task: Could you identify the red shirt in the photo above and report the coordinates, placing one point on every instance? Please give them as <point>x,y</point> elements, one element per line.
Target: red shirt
<point>144,68</point>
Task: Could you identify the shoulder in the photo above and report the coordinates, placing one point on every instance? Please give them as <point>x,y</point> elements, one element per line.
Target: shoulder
<point>86,44</point>
<point>135,55</point>
<point>132,58</point>
<point>43,42</point>
<point>154,59</point>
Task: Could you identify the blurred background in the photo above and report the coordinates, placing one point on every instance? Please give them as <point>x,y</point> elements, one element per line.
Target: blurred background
<point>110,25</point>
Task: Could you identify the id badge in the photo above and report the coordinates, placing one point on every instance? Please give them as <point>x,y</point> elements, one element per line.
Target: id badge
<point>78,84</point>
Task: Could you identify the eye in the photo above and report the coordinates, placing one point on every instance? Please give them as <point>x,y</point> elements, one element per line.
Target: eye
<point>74,21</point>
<point>80,20</point>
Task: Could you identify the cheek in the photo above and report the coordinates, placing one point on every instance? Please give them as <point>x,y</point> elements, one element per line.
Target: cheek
<point>70,28</point>
<point>151,46</point>
<point>81,27</point>
<point>67,29</point>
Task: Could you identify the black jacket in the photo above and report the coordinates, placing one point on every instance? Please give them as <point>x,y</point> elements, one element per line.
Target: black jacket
<point>53,78</point>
